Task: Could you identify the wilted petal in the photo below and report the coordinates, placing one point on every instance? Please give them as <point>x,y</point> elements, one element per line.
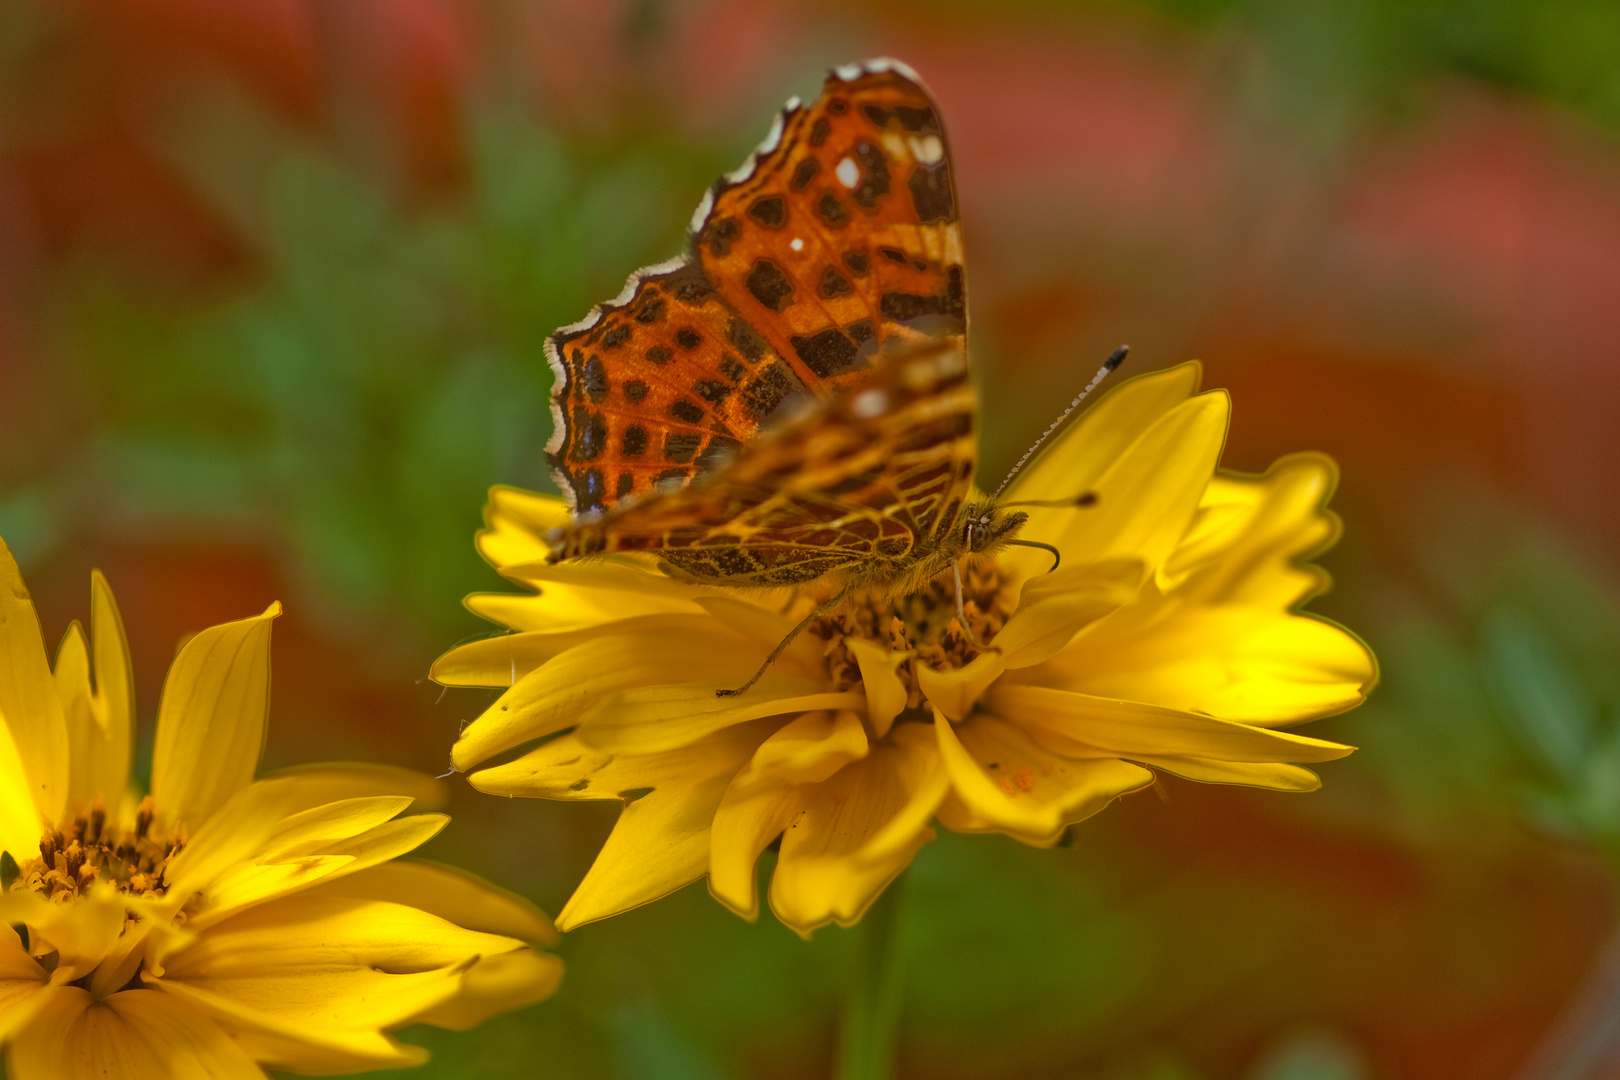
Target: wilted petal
<point>210,729</point>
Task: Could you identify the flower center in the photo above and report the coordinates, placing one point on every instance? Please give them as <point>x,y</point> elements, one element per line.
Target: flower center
<point>88,849</point>
<point>923,623</point>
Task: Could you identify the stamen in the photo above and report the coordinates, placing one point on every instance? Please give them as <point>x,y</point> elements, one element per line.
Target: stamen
<point>90,849</point>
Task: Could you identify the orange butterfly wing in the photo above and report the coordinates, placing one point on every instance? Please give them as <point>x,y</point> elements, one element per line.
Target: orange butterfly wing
<point>836,243</point>
<point>869,477</point>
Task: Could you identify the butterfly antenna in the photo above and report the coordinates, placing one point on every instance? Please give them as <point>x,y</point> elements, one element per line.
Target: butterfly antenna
<point>1115,358</point>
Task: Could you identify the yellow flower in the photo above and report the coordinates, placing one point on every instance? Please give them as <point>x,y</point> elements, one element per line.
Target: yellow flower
<point>1167,640</point>
<point>220,922</point>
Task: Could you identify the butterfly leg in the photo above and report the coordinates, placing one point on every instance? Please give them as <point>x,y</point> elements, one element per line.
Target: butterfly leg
<point>961,613</point>
<point>825,608</point>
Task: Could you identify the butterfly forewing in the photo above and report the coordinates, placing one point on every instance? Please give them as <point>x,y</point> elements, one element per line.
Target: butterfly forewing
<point>824,268</point>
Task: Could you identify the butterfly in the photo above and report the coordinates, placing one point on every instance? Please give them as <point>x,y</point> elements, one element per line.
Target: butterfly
<point>789,402</point>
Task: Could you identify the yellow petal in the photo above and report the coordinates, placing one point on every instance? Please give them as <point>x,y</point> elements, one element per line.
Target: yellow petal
<point>515,524</point>
<point>321,967</point>
<point>661,840</point>
<point>805,750</point>
<point>1073,462</point>
<point>1259,665</point>
<point>1053,607</point>
<point>830,869</point>
<point>1147,498</point>
<point>114,698</point>
<point>28,700</point>
<point>252,883</point>
<point>494,985</point>
<point>210,729</point>
<point>571,687</point>
<point>885,692</point>
<point>1247,541</point>
<point>1263,774</point>
<point>450,893</point>
<point>1007,783</point>
<point>82,933</point>
<point>744,825</point>
<point>575,595</point>
<point>955,691</point>
<point>654,719</point>
<point>317,785</point>
<point>20,824</point>
<point>238,831</point>
<point>132,1035</point>
<point>1082,726</point>
<point>22,984</point>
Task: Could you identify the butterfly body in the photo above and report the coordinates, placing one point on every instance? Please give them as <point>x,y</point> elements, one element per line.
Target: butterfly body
<point>790,402</point>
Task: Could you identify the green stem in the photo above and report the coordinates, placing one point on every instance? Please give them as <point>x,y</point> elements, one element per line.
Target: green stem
<point>871,1018</point>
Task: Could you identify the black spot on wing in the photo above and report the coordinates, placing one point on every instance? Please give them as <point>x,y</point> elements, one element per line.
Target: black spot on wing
<point>826,353</point>
<point>770,211</point>
<point>830,210</point>
<point>687,411</point>
<point>804,173</point>
<point>615,337</point>
<point>659,354</point>
<point>930,188</point>
<point>589,434</point>
<point>594,379</point>
<point>651,311</point>
<point>731,367</point>
<point>636,391</point>
<point>769,285</point>
<point>712,390</point>
<point>721,234</point>
<point>627,484</point>
<point>918,120</point>
<point>856,261</point>
<point>768,389</point>
<point>635,440</point>
<point>746,340</point>
<point>874,175</point>
<point>819,131</point>
<point>833,283</point>
<point>589,489</point>
<point>688,338</point>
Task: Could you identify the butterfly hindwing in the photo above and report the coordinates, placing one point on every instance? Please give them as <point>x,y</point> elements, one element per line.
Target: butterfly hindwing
<point>871,475</point>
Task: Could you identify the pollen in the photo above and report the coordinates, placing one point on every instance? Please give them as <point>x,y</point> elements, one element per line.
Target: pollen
<point>88,849</point>
<point>923,623</point>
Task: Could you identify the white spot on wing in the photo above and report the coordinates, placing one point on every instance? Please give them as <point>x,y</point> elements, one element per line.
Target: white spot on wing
<point>848,173</point>
<point>796,244</point>
<point>927,149</point>
<point>869,403</point>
